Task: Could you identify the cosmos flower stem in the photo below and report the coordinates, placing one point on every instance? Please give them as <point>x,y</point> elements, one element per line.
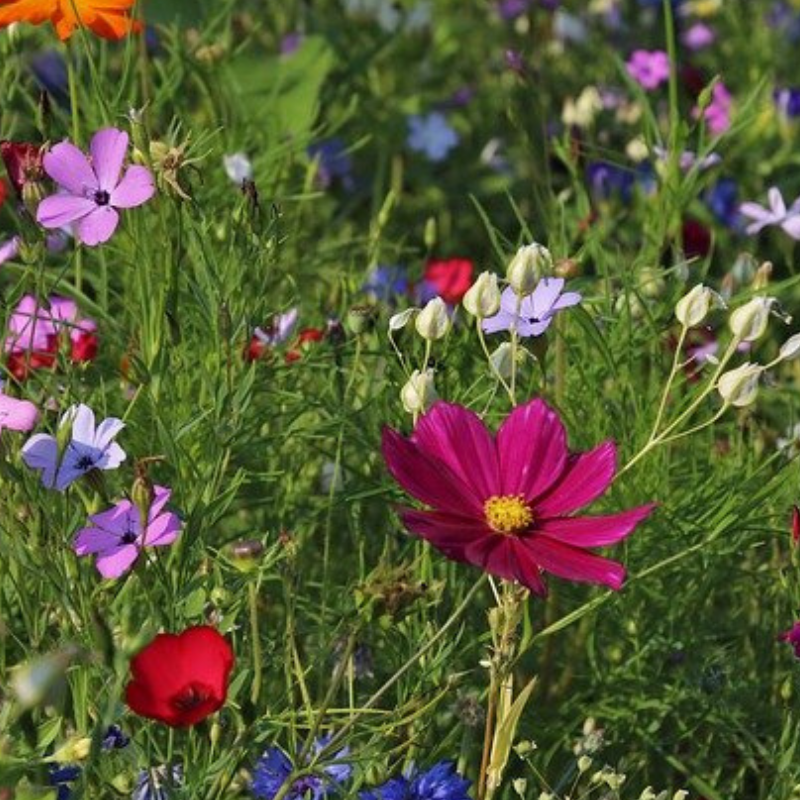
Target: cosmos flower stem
<point>696,428</point>
<point>492,365</point>
<point>337,738</point>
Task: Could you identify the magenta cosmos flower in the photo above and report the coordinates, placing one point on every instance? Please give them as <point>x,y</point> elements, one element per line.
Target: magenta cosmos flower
<point>503,503</point>
<point>93,189</point>
<point>648,68</point>
<point>117,536</point>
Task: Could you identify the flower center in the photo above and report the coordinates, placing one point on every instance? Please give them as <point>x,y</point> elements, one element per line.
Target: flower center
<point>508,513</point>
<point>102,198</point>
<point>192,696</point>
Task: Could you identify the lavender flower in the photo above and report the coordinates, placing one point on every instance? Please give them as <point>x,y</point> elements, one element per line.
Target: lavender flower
<point>787,101</point>
<point>238,168</point>
<point>90,447</point>
<point>531,316</point>
<point>776,214</point>
<point>431,135</point>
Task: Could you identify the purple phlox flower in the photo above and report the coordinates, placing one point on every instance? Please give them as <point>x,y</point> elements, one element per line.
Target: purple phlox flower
<point>10,249</point>
<point>431,135</point>
<point>787,101</point>
<point>649,68</point>
<point>117,535</point>
<point>776,214</point>
<point>440,782</point>
<point>238,167</point>
<point>461,97</point>
<point>511,9</point>
<point>533,314</point>
<point>515,61</point>
<point>279,330</point>
<point>274,767</point>
<point>718,113</point>
<point>334,163</point>
<point>90,447</point>
<point>698,36</point>
<point>793,637</point>
<point>31,327</point>
<point>689,159</point>
<point>386,282</point>
<point>17,415</point>
<point>291,42</point>
<point>92,191</point>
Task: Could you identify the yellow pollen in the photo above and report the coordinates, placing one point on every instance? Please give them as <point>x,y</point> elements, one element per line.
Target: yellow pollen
<point>508,513</point>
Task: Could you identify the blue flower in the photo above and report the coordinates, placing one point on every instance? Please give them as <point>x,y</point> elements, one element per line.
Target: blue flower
<point>152,783</point>
<point>61,778</point>
<point>386,283</point>
<point>335,163</point>
<point>787,101</point>
<point>50,71</point>
<point>440,782</point>
<point>722,200</point>
<point>115,739</point>
<point>431,135</point>
<point>274,767</point>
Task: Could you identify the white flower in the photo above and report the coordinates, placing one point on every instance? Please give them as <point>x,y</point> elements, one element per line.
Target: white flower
<point>419,392</point>
<point>581,112</point>
<point>483,297</point>
<point>400,320</point>
<point>238,168</point>
<point>433,322</point>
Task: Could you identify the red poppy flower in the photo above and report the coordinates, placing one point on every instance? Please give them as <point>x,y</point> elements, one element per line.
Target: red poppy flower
<point>181,679</point>
<point>450,278</point>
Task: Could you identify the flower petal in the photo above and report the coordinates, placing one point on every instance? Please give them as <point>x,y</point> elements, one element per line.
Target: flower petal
<point>532,447</point>
<point>63,209</point>
<point>791,225</point>
<point>136,187</point>
<point>98,226</point>
<point>457,436</point>
<point>41,452</point>
<point>95,540</point>
<point>593,531</point>
<point>163,530</point>
<point>116,563</point>
<point>17,415</point>
<point>430,481</point>
<point>584,479</point>
<point>544,296</point>
<point>69,167</point>
<point>81,417</point>
<point>447,532</point>
<point>574,564</point>
<point>108,150</point>
<point>510,560</point>
<point>106,431</point>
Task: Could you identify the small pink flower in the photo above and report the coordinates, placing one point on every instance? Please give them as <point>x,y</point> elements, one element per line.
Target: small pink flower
<point>718,114</point>
<point>93,189</point>
<point>504,503</point>
<point>649,68</point>
<point>17,415</point>
<point>117,535</point>
<point>793,637</point>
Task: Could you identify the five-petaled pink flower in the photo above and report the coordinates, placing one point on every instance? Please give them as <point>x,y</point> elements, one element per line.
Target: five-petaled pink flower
<point>92,189</point>
<point>503,503</point>
<point>117,535</point>
<point>648,68</point>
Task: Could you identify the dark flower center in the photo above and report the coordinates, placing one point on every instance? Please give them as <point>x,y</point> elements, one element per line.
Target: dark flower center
<point>102,198</point>
<point>85,463</point>
<point>194,695</point>
<point>129,537</point>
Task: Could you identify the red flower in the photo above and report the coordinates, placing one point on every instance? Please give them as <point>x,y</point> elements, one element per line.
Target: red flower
<point>505,503</point>
<point>304,338</point>
<point>3,192</point>
<point>181,679</point>
<point>23,163</point>
<point>696,239</point>
<point>795,526</point>
<point>450,278</point>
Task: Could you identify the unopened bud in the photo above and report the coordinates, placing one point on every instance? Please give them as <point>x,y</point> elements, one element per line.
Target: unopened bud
<point>790,349</point>
<point>483,297</point>
<point>749,321</point>
<point>529,264</point>
<point>739,386</point>
<point>419,392</point>
<point>74,750</point>
<point>584,763</point>
<point>762,276</point>
<point>399,321</point>
<point>693,307</point>
<point>502,360</point>
<point>433,322</point>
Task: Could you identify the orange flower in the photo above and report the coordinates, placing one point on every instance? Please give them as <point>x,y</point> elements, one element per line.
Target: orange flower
<point>107,18</point>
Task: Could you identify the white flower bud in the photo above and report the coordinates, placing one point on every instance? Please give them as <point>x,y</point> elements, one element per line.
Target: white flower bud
<point>693,307</point>
<point>483,297</point>
<point>749,321</point>
<point>527,266</point>
<point>419,393</point>
<point>739,386</point>
<point>433,322</point>
<point>399,321</point>
<point>502,360</point>
<point>681,794</point>
<point>584,763</point>
<point>648,794</point>
<point>790,349</point>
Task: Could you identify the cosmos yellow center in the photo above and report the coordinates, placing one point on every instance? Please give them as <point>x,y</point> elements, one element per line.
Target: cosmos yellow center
<point>508,513</point>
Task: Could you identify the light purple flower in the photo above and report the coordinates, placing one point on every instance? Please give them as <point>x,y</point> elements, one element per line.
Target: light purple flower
<point>776,214</point>
<point>117,536</point>
<point>9,249</point>
<point>689,159</point>
<point>536,311</point>
<point>718,113</point>
<point>649,68</point>
<point>17,415</point>
<point>698,36</point>
<point>92,190</point>
<point>90,447</point>
<point>432,135</point>
<point>238,167</point>
<point>279,330</point>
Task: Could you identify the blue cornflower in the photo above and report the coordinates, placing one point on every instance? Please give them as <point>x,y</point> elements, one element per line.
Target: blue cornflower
<point>386,283</point>
<point>440,782</point>
<point>61,778</point>
<point>722,200</point>
<point>274,767</point>
<point>115,739</point>
<point>335,163</point>
<point>787,101</point>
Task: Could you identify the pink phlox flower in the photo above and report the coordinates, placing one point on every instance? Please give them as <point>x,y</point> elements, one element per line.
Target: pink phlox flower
<point>17,415</point>
<point>116,536</point>
<point>505,502</point>
<point>792,636</point>
<point>698,36</point>
<point>718,113</point>
<point>649,68</point>
<point>92,190</point>
<point>776,214</point>
<point>531,317</point>
<point>90,447</point>
<point>34,328</point>
<point>10,249</point>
